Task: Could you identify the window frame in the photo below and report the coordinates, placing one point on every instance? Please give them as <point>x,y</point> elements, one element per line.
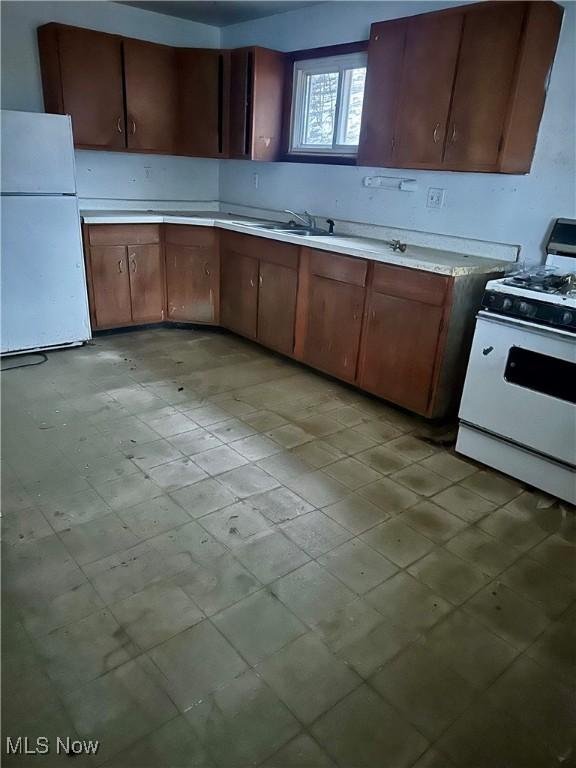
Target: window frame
<point>343,156</point>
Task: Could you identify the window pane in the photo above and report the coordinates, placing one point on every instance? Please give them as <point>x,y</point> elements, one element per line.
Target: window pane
<point>320,109</point>
<point>355,81</point>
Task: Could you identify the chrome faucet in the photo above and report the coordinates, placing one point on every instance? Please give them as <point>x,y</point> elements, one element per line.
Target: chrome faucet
<point>397,245</point>
<point>307,219</point>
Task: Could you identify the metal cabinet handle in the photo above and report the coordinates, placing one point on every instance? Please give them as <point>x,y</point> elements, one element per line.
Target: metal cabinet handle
<point>133,125</point>
<point>436,134</point>
<point>252,283</point>
<point>260,280</point>
<point>133,262</point>
<point>119,125</point>
<point>206,270</point>
<point>453,136</point>
<point>120,266</point>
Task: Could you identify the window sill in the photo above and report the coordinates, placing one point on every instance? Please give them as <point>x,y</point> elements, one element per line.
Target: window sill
<point>308,157</point>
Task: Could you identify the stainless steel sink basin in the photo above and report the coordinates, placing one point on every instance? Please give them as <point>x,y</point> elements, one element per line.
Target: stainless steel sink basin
<point>285,229</point>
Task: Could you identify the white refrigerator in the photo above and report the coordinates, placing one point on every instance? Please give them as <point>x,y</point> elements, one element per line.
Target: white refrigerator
<point>44,301</point>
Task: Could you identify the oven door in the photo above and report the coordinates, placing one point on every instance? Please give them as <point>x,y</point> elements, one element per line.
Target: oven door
<point>521,385</point>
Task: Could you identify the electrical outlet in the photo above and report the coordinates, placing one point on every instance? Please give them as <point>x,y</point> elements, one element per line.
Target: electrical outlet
<point>147,172</point>
<point>435,197</point>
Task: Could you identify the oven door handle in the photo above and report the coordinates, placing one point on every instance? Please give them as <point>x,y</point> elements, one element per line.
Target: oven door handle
<point>526,325</point>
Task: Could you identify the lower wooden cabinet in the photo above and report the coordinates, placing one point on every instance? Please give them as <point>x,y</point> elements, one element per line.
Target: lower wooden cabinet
<point>393,331</point>
<point>146,283</point>
<point>192,274</point>
<point>334,324</point>
<point>125,275</point>
<point>239,292</point>
<point>399,349</point>
<point>402,337</point>
<point>109,286</point>
<point>259,286</point>
<point>330,312</point>
<point>278,286</point>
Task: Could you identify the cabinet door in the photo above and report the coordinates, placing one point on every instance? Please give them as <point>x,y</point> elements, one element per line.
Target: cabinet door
<point>428,75</point>
<point>277,306</point>
<point>485,74</point>
<point>151,96</point>
<point>192,277</point>
<point>82,77</point>
<point>399,350</point>
<point>268,78</point>
<point>333,324</point>
<point>202,76</point>
<point>146,283</point>
<point>239,292</point>
<point>110,285</point>
<point>382,91</point>
<point>241,74</point>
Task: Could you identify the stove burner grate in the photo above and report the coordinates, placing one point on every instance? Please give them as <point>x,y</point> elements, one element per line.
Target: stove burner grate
<point>544,283</point>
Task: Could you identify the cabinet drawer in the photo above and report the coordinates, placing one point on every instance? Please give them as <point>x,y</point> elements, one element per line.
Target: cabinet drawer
<point>264,248</point>
<point>345,269</point>
<point>189,234</point>
<point>123,234</point>
<point>409,283</point>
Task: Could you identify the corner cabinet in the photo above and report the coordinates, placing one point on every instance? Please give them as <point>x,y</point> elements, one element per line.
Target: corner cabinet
<point>192,274</point>
<point>257,82</point>
<point>136,96</point>
<point>461,89</point>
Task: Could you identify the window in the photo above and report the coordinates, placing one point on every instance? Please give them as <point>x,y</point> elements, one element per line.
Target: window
<point>327,104</point>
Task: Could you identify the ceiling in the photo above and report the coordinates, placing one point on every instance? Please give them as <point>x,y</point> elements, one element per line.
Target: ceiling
<point>221,13</point>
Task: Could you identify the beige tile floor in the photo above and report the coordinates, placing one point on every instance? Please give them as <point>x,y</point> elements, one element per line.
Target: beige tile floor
<point>213,557</point>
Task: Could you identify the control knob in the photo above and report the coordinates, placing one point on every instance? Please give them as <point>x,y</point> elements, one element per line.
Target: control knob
<point>566,317</point>
<point>507,303</point>
<point>523,307</point>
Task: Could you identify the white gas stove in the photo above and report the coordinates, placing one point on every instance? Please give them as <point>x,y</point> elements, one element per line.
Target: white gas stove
<point>518,409</point>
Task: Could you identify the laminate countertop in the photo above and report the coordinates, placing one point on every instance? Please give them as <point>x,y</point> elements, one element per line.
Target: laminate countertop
<point>415,257</point>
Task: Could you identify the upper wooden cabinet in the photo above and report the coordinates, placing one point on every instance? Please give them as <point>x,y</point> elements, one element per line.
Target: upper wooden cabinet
<point>151,84</point>
<point>461,89</point>
<point>121,94</point>
<point>382,92</point>
<point>82,77</point>
<point>133,95</point>
<point>257,81</point>
<point>483,86</point>
<point>431,51</point>
<point>203,75</point>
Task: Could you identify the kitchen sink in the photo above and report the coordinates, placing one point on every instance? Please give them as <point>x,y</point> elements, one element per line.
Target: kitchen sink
<point>285,229</point>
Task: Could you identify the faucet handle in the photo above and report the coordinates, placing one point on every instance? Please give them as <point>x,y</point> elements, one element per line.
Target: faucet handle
<point>331,225</point>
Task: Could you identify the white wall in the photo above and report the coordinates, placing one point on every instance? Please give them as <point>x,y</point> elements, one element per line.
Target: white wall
<point>106,174</point>
<point>512,209</point>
